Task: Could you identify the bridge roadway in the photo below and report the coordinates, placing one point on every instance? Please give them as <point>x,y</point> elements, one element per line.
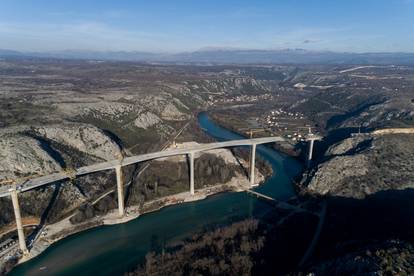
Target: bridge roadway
<point>50,179</point>
<point>23,186</point>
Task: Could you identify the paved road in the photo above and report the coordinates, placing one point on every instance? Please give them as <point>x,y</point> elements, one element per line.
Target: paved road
<point>49,179</point>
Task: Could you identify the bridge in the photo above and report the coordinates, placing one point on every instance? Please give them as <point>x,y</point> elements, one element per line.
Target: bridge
<point>278,203</point>
<point>14,189</point>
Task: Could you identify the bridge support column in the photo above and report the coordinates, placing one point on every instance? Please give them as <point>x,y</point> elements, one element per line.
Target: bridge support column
<point>310,153</point>
<point>191,160</point>
<point>120,188</point>
<point>252,163</point>
<point>19,225</point>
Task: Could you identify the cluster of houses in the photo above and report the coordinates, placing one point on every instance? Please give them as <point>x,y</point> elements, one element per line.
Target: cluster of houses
<point>283,121</point>
<point>273,116</point>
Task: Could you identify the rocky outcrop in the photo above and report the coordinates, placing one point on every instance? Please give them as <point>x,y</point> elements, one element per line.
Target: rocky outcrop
<point>100,109</point>
<point>22,156</point>
<point>146,120</point>
<point>83,138</point>
<point>172,113</point>
<point>34,151</point>
<point>367,164</point>
<point>228,85</point>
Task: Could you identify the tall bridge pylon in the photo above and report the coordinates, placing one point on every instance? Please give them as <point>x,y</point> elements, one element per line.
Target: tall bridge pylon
<point>13,188</point>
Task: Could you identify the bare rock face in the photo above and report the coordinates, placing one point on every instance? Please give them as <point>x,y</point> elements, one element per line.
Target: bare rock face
<point>390,113</point>
<point>23,156</point>
<point>365,165</point>
<point>345,146</point>
<point>100,110</point>
<point>84,138</point>
<point>330,176</point>
<point>228,84</point>
<point>146,120</point>
<point>172,113</point>
<point>34,151</point>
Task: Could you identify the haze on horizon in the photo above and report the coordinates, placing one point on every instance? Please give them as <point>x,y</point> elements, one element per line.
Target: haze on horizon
<point>174,26</point>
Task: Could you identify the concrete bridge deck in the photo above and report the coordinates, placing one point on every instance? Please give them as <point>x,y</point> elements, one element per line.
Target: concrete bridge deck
<point>19,186</point>
<point>51,178</point>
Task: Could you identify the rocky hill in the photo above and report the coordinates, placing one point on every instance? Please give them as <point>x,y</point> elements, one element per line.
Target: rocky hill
<point>59,115</point>
<point>366,164</point>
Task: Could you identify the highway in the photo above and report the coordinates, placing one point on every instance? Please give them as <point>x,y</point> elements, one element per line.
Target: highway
<point>51,178</point>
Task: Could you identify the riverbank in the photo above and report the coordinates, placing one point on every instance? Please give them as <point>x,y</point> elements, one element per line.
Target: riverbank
<point>50,234</point>
<point>111,250</point>
<point>287,148</point>
<point>63,229</point>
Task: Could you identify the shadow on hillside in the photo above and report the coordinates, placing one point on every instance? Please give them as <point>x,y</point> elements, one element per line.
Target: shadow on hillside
<point>330,139</point>
<point>354,223</point>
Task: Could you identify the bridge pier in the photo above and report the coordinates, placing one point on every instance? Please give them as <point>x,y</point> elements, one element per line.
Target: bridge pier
<point>18,218</point>
<point>252,163</point>
<point>120,188</point>
<point>310,153</point>
<point>191,160</point>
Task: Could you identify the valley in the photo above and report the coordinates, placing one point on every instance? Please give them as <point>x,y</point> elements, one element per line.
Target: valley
<point>57,115</point>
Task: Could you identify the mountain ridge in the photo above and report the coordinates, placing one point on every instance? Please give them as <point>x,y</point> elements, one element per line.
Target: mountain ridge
<point>216,55</point>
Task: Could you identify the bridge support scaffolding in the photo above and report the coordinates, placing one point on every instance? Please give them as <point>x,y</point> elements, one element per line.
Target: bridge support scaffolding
<point>252,163</point>
<point>120,188</point>
<point>19,224</point>
<point>191,161</point>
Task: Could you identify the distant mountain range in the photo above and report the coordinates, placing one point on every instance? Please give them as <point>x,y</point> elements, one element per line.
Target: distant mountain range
<point>226,56</point>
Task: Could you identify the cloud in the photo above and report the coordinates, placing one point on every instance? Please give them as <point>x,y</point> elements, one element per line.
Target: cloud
<point>308,41</point>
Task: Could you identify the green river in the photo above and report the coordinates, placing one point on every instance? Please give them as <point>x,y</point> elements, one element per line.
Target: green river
<point>113,250</point>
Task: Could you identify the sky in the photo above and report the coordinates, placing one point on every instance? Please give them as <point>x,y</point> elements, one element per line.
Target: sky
<point>188,25</point>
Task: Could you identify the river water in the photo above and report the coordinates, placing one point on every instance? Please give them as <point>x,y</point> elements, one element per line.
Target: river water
<point>112,250</point>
